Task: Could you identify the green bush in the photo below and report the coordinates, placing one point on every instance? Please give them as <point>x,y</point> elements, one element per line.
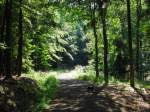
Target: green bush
<point>48,85</point>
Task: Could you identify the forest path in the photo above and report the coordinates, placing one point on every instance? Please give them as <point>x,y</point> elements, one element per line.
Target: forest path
<point>73,96</point>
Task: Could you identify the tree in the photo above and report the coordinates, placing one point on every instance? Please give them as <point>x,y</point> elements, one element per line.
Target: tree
<point>93,17</point>
<point>102,12</point>
<point>3,23</point>
<point>20,41</point>
<point>138,11</point>
<point>131,72</point>
<point>8,40</point>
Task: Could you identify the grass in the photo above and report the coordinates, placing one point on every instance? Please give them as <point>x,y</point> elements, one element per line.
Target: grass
<point>143,84</point>
<point>89,75</point>
<point>48,85</point>
<point>100,80</point>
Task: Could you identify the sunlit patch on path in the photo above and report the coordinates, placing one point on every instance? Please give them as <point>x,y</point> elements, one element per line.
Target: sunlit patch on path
<point>68,75</point>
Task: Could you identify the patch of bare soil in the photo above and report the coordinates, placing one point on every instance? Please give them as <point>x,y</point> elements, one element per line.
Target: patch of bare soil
<point>73,96</point>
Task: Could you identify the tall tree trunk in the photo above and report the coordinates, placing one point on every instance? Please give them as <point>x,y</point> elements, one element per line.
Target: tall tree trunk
<point>2,71</point>
<point>96,42</point>
<point>103,19</point>
<point>102,13</point>
<point>8,39</point>
<point>20,42</point>
<point>138,36</point>
<point>130,44</point>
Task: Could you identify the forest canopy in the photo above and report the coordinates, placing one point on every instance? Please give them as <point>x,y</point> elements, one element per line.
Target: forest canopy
<point>45,34</point>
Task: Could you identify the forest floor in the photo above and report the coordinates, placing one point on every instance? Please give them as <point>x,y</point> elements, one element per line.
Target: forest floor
<point>73,96</point>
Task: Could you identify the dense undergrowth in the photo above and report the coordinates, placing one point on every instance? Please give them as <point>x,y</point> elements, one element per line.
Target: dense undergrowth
<point>48,85</point>
<point>29,93</point>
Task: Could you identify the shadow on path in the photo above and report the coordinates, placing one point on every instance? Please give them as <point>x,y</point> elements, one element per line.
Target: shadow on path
<point>73,96</point>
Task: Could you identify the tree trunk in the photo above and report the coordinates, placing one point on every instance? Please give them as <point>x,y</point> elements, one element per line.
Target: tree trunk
<point>3,22</point>
<point>96,42</point>
<point>138,36</point>
<point>8,39</point>
<point>131,72</point>
<point>102,13</point>
<point>103,18</point>
<point>20,42</point>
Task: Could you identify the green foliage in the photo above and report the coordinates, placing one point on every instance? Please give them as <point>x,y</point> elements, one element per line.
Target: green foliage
<point>51,35</point>
<point>143,84</point>
<point>48,85</point>
<point>89,75</point>
<point>59,34</point>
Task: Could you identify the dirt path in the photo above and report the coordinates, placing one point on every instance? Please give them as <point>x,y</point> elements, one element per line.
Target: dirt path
<point>72,96</point>
<point>68,75</point>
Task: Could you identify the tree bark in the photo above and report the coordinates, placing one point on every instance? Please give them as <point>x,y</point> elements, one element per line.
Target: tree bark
<point>8,39</point>
<point>3,22</point>
<point>105,45</point>
<point>102,13</point>
<point>131,72</point>
<point>96,42</point>
<point>138,11</point>
<point>20,41</point>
